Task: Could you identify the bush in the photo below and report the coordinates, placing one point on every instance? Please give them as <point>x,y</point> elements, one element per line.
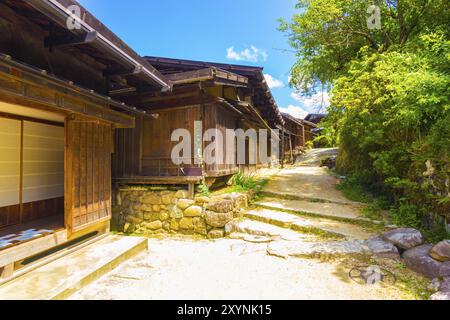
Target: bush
<point>247,182</point>
<point>391,113</point>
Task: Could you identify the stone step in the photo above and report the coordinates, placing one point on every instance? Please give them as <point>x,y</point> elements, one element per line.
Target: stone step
<point>340,212</point>
<point>290,196</point>
<point>61,278</point>
<point>318,226</point>
<point>286,249</point>
<point>236,229</point>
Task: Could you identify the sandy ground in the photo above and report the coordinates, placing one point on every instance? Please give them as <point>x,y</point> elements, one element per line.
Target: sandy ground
<point>226,269</point>
<point>307,182</point>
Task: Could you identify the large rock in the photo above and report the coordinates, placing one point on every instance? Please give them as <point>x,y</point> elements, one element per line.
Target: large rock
<point>193,211</point>
<point>182,194</point>
<point>216,234</point>
<point>185,203</point>
<point>186,224</point>
<point>382,249</point>
<point>418,260</point>
<point>166,199</point>
<point>155,225</point>
<point>202,199</point>
<point>151,198</point>
<point>240,201</point>
<point>441,296</point>
<point>221,206</point>
<point>218,219</point>
<point>445,285</point>
<point>175,212</point>
<point>404,238</point>
<point>200,226</point>
<point>441,251</point>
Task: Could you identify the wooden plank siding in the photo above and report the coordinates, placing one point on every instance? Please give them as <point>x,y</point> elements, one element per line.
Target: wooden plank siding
<point>88,164</point>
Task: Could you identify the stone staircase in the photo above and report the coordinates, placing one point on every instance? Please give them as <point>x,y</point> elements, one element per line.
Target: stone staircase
<point>296,227</point>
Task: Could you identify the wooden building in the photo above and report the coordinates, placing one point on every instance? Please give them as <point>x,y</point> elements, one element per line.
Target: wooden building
<point>296,133</point>
<point>216,95</point>
<point>57,121</point>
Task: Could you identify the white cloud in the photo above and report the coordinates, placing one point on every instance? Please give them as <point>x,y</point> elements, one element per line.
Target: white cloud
<point>316,102</point>
<point>272,82</point>
<point>252,54</point>
<point>295,111</point>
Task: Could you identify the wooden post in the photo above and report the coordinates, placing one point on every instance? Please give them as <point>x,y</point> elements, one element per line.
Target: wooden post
<point>282,148</point>
<point>191,190</point>
<point>7,271</point>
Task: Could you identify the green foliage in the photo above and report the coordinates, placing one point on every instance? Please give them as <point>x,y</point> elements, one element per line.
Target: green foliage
<point>327,138</point>
<point>390,101</point>
<point>203,190</point>
<point>247,182</point>
<point>329,34</point>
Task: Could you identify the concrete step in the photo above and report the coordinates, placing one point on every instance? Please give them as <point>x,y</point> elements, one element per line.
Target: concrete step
<point>319,226</point>
<point>61,278</point>
<point>238,229</point>
<point>341,212</point>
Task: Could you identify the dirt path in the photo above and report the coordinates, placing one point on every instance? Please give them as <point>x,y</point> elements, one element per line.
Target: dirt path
<point>227,269</point>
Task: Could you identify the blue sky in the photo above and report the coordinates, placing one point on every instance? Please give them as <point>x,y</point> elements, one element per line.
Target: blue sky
<point>231,31</point>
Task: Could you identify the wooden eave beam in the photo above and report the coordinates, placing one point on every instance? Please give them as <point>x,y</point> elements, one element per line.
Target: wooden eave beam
<point>73,40</point>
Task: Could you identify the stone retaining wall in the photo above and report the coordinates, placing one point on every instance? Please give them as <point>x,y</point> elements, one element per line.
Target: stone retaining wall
<point>150,211</point>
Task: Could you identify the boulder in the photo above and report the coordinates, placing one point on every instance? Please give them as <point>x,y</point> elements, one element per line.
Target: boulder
<point>166,199</point>
<point>129,227</point>
<point>404,238</point>
<point>202,199</point>
<point>445,269</point>
<point>218,219</point>
<point>382,249</point>
<point>230,227</point>
<point>445,285</point>
<point>175,212</point>
<point>155,225</point>
<point>185,203</point>
<point>418,260</point>
<point>435,285</point>
<point>163,216</point>
<point>156,208</point>
<point>166,226</point>
<point>151,198</point>
<point>200,226</point>
<point>220,206</point>
<point>151,216</point>
<point>441,296</point>
<point>133,220</point>
<point>186,224</point>
<point>216,234</point>
<point>193,211</point>
<point>441,251</point>
<point>182,194</point>
<point>174,225</point>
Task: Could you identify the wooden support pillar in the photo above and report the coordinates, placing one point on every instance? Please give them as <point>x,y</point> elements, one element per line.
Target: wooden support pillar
<point>191,190</point>
<point>7,271</point>
<point>282,147</point>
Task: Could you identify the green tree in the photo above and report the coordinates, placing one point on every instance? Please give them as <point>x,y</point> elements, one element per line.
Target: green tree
<point>328,34</point>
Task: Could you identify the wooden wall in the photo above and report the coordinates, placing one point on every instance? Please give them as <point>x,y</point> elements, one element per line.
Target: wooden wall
<point>217,117</point>
<point>88,166</point>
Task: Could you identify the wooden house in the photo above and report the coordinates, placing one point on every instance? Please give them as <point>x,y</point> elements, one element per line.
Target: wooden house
<point>60,91</point>
<point>296,132</point>
<point>216,95</point>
